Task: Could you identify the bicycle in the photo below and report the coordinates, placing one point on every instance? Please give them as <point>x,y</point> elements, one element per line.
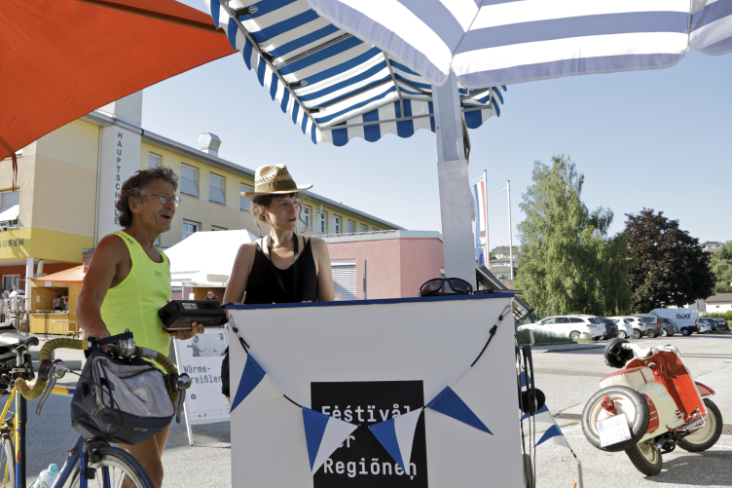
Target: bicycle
<point>90,459</point>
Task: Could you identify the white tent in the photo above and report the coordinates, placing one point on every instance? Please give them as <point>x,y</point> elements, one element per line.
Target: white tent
<point>206,258</point>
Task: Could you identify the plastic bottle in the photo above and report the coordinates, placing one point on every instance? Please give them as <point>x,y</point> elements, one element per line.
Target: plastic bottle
<point>47,477</point>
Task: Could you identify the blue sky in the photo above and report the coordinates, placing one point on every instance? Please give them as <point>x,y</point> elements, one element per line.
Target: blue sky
<point>658,139</point>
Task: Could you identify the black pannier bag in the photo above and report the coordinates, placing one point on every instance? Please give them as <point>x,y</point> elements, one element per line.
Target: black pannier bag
<point>124,401</point>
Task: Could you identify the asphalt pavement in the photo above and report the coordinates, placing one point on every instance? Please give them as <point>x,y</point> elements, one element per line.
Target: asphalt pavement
<point>568,375</point>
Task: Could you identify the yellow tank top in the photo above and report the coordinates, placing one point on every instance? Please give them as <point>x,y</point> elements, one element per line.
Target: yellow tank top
<point>134,303</point>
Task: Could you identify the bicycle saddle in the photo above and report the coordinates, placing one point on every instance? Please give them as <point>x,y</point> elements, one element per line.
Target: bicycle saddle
<point>13,339</point>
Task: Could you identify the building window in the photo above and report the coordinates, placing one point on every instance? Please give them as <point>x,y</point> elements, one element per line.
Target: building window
<point>189,180</point>
<point>217,229</point>
<point>153,161</point>
<point>9,281</point>
<point>322,222</point>
<point>244,202</point>
<point>305,216</point>
<point>9,207</point>
<point>336,224</point>
<point>364,228</point>
<point>216,189</point>
<point>351,227</point>
<point>189,228</point>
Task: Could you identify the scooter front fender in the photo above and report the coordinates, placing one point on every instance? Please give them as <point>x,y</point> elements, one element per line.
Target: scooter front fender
<point>704,390</point>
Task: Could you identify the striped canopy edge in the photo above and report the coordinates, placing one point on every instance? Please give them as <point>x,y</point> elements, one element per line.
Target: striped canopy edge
<point>500,42</point>
<point>333,85</point>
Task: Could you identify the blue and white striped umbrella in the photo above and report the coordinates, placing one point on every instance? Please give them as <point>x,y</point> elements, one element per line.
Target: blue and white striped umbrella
<point>498,42</point>
<point>334,85</point>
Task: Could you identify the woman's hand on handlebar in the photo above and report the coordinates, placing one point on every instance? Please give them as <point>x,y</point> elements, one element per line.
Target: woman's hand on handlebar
<point>187,334</point>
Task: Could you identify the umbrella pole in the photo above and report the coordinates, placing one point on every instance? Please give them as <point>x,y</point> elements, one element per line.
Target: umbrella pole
<point>452,170</point>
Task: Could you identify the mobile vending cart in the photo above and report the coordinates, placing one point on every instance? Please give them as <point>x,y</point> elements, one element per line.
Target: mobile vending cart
<point>402,392</point>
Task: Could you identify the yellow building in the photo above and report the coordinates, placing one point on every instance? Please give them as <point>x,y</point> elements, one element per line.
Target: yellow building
<point>68,181</point>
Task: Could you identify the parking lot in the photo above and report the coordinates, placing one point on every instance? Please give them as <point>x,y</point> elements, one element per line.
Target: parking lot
<point>569,377</point>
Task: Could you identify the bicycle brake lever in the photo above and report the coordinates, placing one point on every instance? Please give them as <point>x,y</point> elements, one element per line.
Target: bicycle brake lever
<point>57,370</point>
<point>179,407</point>
<point>183,383</point>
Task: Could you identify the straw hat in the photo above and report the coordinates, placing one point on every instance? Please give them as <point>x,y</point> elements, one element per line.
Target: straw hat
<point>274,180</point>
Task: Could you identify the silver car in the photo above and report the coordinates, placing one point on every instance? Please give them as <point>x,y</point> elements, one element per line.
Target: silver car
<point>651,322</point>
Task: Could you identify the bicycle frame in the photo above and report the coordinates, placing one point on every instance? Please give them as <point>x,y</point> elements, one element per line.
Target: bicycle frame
<point>20,418</point>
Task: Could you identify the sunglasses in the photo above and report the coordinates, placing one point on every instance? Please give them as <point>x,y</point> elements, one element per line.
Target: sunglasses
<point>445,286</point>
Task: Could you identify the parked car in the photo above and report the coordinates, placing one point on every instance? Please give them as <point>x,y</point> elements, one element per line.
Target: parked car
<point>611,328</point>
<point>652,324</point>
<point>639,328</point>
<point>686,319</point>
<point>722,324</point>
<point>571,326</point>
<point>625,329</point>
<point>668,328</point>
<point>709,323</point>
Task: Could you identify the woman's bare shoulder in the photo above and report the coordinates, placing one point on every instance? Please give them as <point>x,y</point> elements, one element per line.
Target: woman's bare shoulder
<point>248,249</point>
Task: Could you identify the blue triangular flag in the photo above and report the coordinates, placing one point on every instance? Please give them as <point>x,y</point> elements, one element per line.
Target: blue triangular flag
<point>542,415</point>
<point>450,404</point>
<point>385,433</point>
<point>553,436</point>
<point>315,424</point>
<point>397,436</point>
<point>250,378</point>
<point>323,435</point>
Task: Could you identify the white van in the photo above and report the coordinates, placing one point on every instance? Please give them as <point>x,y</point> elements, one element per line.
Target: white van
<point>686,319</point>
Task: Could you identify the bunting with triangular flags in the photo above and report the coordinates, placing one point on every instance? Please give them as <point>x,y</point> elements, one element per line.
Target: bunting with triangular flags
<point>553,435</point>
<point>324,434</point>
<point>455,399</point>
<point>254,378</point>
<point>543,415</point>
<point>397,436</point>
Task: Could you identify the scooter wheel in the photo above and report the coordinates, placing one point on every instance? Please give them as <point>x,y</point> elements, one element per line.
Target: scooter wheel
<point>632,404</point>
<point>645,457</point>
<point>707,436</point>
<point>615,355</point>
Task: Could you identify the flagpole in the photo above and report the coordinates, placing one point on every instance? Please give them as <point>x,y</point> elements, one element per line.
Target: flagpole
<point>510,228</point>
<point>485,198</point>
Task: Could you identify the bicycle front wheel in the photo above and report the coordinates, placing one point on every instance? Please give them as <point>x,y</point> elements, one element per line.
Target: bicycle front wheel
<point>7,463</point>
<point>114,468</point>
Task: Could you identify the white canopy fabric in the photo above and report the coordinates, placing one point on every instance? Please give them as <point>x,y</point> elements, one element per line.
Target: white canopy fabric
<point>206,258</point>
<point>499,42</point>
<point>334,85</point>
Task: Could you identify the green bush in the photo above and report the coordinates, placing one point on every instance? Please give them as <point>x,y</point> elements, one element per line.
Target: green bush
<point>726,316</point>
<point>523,337</point>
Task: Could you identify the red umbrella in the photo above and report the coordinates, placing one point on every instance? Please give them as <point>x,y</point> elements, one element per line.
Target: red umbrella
<point>62,59</point>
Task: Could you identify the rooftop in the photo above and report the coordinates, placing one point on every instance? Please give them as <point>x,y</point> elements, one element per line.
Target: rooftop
<point>720,297</point>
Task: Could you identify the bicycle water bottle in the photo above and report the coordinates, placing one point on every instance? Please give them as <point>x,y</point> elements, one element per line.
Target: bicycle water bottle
<point>47,477</point>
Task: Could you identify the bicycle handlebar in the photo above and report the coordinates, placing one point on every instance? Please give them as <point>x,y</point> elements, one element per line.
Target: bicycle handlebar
<point>45,360</point>
<point>44,357</point>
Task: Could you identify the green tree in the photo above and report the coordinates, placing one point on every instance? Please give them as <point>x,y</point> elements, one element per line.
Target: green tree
<point>566,263</point>
<point>672,268</point>
<point>721,267</point>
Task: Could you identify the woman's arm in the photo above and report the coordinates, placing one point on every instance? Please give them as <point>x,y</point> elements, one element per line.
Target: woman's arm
<point>326,290</point>
<point>110,253</point>
<point>240,273</point>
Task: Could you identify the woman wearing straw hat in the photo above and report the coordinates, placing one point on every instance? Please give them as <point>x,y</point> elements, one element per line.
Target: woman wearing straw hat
<point>281,267</point>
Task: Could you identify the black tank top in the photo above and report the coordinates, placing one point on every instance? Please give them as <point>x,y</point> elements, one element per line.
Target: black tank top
<point>263,287</point>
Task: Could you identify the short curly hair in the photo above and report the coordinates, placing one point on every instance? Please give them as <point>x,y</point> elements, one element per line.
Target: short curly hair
<point>136,187</point>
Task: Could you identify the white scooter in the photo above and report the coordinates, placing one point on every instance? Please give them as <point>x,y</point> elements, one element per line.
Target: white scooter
<point>662,404</point>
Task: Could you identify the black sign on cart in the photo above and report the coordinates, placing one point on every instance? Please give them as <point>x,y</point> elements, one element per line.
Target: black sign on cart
<point>362,461</point>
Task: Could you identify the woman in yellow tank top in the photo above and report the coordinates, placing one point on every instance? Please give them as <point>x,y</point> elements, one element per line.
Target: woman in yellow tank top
<point>129,281</point>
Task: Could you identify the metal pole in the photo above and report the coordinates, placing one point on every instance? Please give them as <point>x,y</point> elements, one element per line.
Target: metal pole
<point>510,231</point>
<point>487,242</point>
<point>510,228</point>
<point>455,198</point>
<point>364,279</point>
